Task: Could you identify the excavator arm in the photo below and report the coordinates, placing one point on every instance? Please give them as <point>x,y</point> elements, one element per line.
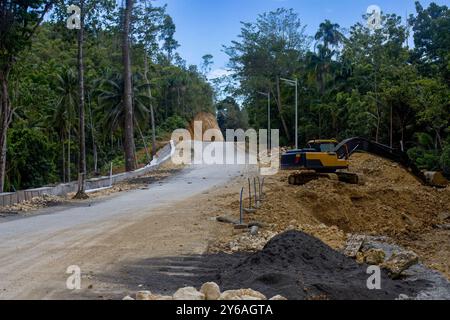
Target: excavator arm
<point>348,147</point>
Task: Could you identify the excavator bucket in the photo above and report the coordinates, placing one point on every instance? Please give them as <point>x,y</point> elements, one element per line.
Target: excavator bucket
<point>436,179</point>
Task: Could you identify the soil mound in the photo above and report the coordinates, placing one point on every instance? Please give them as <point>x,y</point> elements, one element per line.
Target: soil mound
<point>299,266</point>
<point>209,122</point>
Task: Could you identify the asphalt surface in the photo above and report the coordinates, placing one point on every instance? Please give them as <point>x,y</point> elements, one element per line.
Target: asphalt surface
<point>34,250</point>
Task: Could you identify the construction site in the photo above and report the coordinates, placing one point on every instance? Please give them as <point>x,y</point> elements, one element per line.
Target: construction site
<point>233,234</point>
<point>241,151</point>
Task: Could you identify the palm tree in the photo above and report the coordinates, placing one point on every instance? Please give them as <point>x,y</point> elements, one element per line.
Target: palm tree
<point>129,146</point>
<point>110,95</point>
<point>329,34</point>
<point>64,115</point>
<point>81,194</point>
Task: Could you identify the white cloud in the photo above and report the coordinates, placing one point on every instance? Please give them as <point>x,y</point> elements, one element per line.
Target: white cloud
<point>218,73</point>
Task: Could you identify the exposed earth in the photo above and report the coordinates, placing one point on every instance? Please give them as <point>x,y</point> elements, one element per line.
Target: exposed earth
<point>141,239</point>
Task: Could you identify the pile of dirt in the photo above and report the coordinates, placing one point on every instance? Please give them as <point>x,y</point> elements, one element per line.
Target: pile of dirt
<point>245,242</point>
<point>209,122</point>
<point>34,204</point>
<point>391,203</point>
<point>299,266</point>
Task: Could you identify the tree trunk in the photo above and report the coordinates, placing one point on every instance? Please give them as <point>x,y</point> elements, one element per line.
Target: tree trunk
<point>391,134</point>
<point>94,144</point>
<point>5,121</point>
<point>69,173</point>
<point>130,158</point>
<point>280,109</point>
<point>152,113</point>
<point>81,194</point>
<point>63,159</point>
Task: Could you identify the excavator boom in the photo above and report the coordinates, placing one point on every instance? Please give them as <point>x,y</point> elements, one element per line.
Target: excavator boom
<point>348,147</point>
<point>331,157</point>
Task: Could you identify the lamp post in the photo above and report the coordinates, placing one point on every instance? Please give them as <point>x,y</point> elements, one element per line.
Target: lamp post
<point>267,94</point>
<point>294,83</point>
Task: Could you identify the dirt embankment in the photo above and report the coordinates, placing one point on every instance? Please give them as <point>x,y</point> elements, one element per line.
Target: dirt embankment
<point>208,123</point>
<point>392,203</point>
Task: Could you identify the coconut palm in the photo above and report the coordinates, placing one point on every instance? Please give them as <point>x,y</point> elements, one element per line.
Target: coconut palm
<point>110,95</point>
<point>329,34</point>
<point>65,112</point>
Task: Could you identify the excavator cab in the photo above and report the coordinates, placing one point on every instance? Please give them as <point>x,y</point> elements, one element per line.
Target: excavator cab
<point>323,145</point>
<point>320,156</point>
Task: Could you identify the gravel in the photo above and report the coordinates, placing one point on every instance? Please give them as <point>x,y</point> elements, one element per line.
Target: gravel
<point>299,266</point>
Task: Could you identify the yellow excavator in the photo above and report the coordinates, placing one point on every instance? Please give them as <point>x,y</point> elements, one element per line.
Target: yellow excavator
<point>330,159</point>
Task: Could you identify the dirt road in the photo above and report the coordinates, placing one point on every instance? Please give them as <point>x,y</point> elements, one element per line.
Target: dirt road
<point>161,221</point>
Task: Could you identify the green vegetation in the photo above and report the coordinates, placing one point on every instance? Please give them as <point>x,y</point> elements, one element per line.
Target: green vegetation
<point>42,81</point>
<point>357,82</point>
<point>352,83</point>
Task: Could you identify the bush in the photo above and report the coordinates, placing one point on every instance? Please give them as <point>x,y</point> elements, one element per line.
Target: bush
<point>31,159</point>
<point>171,124</point>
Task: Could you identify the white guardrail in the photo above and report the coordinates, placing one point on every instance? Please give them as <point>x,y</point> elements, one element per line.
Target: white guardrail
<point>11,198</point>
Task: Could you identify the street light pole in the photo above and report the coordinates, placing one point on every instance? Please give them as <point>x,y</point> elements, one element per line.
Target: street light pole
<point>294,83</point>
<point>269,145</point>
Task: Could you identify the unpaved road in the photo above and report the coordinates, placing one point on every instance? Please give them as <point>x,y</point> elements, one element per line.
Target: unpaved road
<point>161,221</point>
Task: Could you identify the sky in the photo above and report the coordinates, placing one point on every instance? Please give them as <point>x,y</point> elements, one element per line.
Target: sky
<point>204,26</point>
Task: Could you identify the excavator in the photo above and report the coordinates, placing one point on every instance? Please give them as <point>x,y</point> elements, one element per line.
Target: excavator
<point>331,159</point>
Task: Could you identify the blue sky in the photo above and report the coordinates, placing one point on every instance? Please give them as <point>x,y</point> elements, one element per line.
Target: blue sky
<point>204,26</point>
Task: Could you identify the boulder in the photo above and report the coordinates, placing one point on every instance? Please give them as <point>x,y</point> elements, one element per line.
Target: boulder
<point>211,290</point>
<point>239,294</point>
<point>144,295</point>
<point>252,293</point>
<point>128,298</point>
<point>374,257</point>
<point>399,262</point>
<point>277,297</point>
<point>188,294</point>
<point>162,298</point>
<point>250,298</point>
<point>230,295</point>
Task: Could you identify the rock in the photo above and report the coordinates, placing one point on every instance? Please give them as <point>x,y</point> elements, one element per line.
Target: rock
<point>254,230</point>
<point>403,297</point>
<point>163,298</point>
<point>230,295</point>
<point>211,290</point>
<point>360,257</point>
<point>128,298</point>
<point>144,295</point>
<point>252,293</point>
<point>240,294</point>
<point>250,298</point>
<point>353,245</point>
<point>399,262</point>
<point>374,257</point>
<point>277,297</point>
<point>188,294</point>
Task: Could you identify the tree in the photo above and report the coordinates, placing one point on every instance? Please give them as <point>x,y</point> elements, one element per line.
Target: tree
<point>268,49</point>
<point>167,36</point>
<point>432,40</point>
<point>19,21</point>
<point>64,115</point>
<point>129,146</point>
<point>207,63</point>
<point>329,34</point>
<point>81,193</point>
<point>230,115</point>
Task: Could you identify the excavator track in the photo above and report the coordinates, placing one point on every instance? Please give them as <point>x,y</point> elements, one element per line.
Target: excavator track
<point>303,177</point>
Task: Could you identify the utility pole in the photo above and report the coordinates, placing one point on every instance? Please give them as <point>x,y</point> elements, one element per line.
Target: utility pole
<point>295,84</point>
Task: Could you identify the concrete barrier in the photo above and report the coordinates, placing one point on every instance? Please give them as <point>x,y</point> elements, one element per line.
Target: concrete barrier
<point>12,198</point>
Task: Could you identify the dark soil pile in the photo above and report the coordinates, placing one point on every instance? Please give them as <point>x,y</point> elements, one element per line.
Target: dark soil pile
<point>299,266</point>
